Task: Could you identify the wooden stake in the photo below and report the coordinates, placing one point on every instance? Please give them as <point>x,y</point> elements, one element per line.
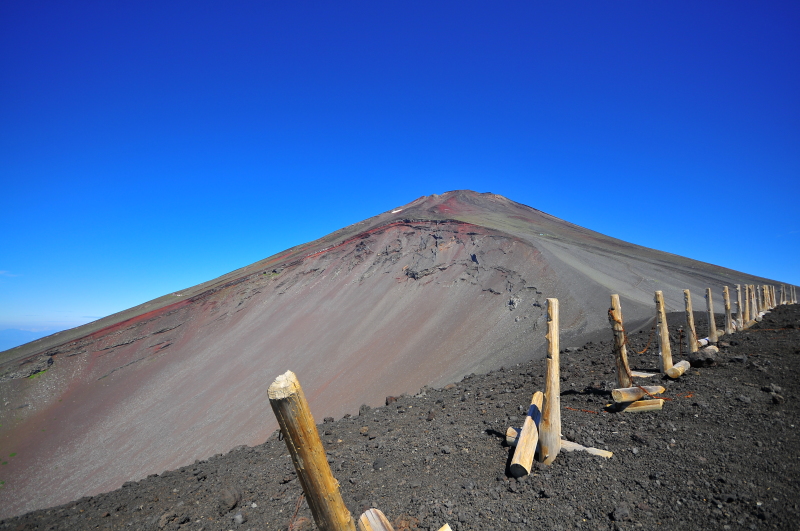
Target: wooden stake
<point>550,426</point>
<point>523,456</point>
<point>664,350</point>
<point>712,323</point>
<point>632,394</point>
<point>620,350</point>
<point>691,335</point>
<point>726,300</point>
<point>642,374</point>
<point>641,406</point>
<point>374,520</point>
<point>747,317</point>
<point>678,369</point>
<point>739,314</point>
<point>302,439</point>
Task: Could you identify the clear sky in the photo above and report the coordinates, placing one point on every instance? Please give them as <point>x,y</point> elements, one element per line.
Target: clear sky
<point>149,146</point>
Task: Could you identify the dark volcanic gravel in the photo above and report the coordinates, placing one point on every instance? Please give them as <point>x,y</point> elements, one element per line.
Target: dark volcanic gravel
<point>722,454</point>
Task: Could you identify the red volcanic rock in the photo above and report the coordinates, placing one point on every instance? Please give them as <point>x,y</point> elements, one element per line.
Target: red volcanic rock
<point>422,295</point>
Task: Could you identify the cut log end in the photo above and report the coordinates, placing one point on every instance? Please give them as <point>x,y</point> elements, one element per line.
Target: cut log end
<point>678,369</point>
<point>284,386</point>
<point>374,520</point>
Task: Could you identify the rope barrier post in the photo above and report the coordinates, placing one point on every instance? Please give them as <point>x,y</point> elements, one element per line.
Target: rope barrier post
<point>620,350</point>
<point>691,337</point>
<point>550,426</point>
<point>739,314</point>
<point>308,455</point>
<point>726,299</point>
<point>712,323</point>
<point>664,350</point>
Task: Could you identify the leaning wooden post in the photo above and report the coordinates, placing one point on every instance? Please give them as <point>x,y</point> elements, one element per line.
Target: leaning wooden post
<point>620,350</point>
<point>739,315</point>
<point>664,350</point>
<point>302,439</point>
<point>522,461</point>
<point>691,335</point>
<point>550,426</point>
<point>726,299</point>
<point>712,323</point>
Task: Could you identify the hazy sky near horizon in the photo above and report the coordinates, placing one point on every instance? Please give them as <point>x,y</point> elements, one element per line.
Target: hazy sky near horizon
<point>149,146</point>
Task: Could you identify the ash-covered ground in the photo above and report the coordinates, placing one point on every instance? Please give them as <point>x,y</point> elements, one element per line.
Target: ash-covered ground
<point>722,454</point>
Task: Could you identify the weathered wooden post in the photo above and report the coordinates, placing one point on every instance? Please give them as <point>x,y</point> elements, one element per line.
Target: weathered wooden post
<point>747,316</point>
<point>726,299</point>
<point>712,323</point>
<point>662,331</point>
<point>550,426</point>
<point>522,461</point>
<point>620,350</point>
<point>691,335</point>
<point>308,455</point>
<point>760,299</point>
<point>739,309</point>
<point>754,303</point>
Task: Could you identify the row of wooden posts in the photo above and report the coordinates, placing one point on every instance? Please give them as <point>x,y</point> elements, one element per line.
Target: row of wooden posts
<point>540,434</point>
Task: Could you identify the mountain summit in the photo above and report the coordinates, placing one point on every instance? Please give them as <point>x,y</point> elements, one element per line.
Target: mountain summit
<point>419,295</point>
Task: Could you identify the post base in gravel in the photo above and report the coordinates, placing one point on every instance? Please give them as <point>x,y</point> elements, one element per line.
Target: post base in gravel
<point>308,455</point>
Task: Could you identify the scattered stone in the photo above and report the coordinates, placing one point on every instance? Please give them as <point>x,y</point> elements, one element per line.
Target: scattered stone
<point>228,498</point>
<point>777,399</point>
<point>239,518</point>
<point>391,400</point>
<point>621,513</point>
<point>363,410</point>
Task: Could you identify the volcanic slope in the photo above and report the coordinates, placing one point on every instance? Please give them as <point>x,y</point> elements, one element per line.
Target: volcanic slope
<point>424,294</point>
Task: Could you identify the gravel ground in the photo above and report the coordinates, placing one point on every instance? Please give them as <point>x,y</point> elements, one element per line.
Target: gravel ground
<point>722,454</point>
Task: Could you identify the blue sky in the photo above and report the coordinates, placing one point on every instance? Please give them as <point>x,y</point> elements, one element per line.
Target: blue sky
<point>147,147</point>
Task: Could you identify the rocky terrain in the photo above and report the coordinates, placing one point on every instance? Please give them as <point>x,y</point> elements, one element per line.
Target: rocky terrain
<point>722,454</point>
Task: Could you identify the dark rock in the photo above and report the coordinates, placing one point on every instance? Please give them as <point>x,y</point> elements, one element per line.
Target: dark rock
<point>621,513</point>
<point>703,358</point>
<point>363,410</point>
<point>777,399</point>
<point>228,498</point>
<point>327,420</point>
<point>431,416</point>
<point>391,400</point>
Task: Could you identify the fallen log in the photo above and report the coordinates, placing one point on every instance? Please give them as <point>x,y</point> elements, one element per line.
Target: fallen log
<point>512,435</point>
<point>522,461</point>
<point>678,369</point>
<point>631,394</point>
<point>641,406</point>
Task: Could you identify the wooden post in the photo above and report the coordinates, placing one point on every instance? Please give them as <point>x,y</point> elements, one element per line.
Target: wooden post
<point>712,323</point>
<point>739,314</point>
<point>302,439</point>
<point>374,520</point>
<point>526,447</point>
<point>747,317</point>
<point>550,426</point>
<point>631,394</point>
<point>620,350</point>
<point>726,299</point>
<point>664,350</point>
<point>760,299</point>
<point>691,335</point>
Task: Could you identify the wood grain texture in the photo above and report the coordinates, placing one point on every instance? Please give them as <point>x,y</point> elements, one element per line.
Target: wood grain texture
<point>678,369</point>
<point>308,455</point>
<point>726,300</point>
<point>550,427</point>
<point>691,333</point>
<point>640,406</point>
<point>664,350</point>
<point>631,394</point>
<point>374,520</point>
<point>712,323</point>
<point>620,350</point>
<point>529,438</point>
